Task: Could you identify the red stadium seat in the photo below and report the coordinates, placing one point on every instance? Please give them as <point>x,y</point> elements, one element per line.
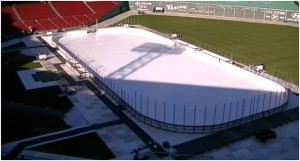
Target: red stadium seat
<point>71,8</point>
<point>35,26</point>
<point>47,24</point>
<point>8,10</point>
<point>73,21</point>
<point>102,7</point>
<point>42,17</point>
<point>84,19</point>
<point>60,22</point>
<point>34,11</point>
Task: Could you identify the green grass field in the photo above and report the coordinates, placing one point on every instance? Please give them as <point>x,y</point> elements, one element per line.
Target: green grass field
<point>251,43</point>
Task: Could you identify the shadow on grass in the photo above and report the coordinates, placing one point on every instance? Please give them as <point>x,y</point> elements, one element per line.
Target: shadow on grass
<point>89,146</point>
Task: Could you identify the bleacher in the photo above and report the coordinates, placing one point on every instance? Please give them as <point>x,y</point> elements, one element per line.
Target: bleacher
<point>84,19</point>
<point>8,10</point>
<point>41,16</point>
<point>71,8</point>
<point>100,7</point>
<point>35,26</point>
<point>72,21</point>
<point>93,16</point>
<point>34,11</point>
<point>60,22</point>
<point>47,24</point>
<point>9,21</point>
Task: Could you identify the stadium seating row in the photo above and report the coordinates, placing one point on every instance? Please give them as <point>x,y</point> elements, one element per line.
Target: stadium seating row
<point>42,16</point>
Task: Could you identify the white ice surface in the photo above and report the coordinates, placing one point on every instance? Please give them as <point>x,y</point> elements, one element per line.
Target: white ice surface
<point>145,68</point>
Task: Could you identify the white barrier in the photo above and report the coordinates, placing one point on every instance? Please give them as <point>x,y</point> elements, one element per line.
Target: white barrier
<point>77,34</point>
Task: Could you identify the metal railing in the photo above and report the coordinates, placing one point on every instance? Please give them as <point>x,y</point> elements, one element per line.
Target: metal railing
<point>277,102</point>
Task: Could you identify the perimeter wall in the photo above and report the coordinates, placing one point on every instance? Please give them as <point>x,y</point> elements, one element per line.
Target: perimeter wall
<point>202,119</point>
<point>283,11</point>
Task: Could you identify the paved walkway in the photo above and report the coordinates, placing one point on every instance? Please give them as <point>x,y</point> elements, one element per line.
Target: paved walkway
<point>227,136</point>
<point>60,135</point>
<point>140,133</point>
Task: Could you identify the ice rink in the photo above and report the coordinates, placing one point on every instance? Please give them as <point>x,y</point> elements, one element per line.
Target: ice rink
<point>170,83</point>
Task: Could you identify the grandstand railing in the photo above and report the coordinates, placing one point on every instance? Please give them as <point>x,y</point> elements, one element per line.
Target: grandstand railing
<point>280,103</point>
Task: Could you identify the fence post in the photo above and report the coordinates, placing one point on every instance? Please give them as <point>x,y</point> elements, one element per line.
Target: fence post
<point>195,110</point>
<point>128,98</point>
<point>117,89</point>
<point>135,99</point>
<point>237,108</point>
<point>114,88</point>
<point>243,108</point>
<point>254,101</point>
<point>204,117</point>
<point>223,113</point>
<point>147,106</point>
<point>141,103</point>
<point>133,107</point>
<point>279,102</point>
<point>164,111</point>
<point>155,109</point>
<point>263,103</point>
<point>270,100</point>
<point>174,114</point>
<point>184,115</point>
<point>257,104</point>
<point>229,114</point>
<point>250,109</point>
<point>275,98</point>
<point>121,96</point>
<point>215,114</point>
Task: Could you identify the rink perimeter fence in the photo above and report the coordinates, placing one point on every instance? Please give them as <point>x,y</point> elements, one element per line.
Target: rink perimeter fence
<point>157,114</point>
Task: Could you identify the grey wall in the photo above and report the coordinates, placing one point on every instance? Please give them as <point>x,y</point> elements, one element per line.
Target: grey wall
<point>220,10</point>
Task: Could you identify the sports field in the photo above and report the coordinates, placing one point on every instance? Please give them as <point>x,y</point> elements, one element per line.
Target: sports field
<point>276,46</point>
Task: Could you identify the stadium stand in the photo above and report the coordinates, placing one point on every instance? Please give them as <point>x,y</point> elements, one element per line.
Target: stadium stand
<point>71,20</point>
<point>9,21</point>
<point>93,16</point>
<point>83,19</point>
<point>35,25</point>
<point>8,10</point>
<point>59,22</point>
<point>34,11</point>
<point>71,8</point>
<point>100,8</point>
<point>47,24</point>
<point>42,16</point>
